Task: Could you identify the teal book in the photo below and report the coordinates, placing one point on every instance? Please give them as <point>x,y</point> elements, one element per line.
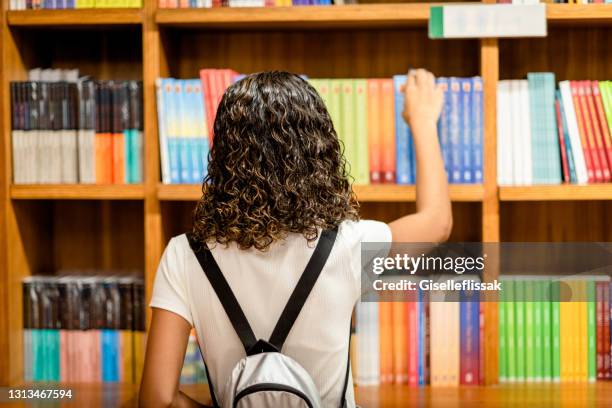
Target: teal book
<point>546,310</point>
<point>53,355</point>
<point>503,351</point>
<point>127,152</point>
<point>520,326</point>
<point>530,332</point>
<point>510,330</point>
<point>556,329</point>
<point>39,357</point>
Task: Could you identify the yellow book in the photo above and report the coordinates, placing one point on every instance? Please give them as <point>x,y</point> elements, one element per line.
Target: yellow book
<point>139,352</point>
<point>582,371</point>
<point>127,354</point>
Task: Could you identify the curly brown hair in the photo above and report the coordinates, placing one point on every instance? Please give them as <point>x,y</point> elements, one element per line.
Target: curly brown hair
<point>276,166</point>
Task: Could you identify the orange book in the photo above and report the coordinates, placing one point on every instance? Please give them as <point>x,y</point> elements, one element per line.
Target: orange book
<point>385,321</point>
<point>139,352</point>
<point>582,131</point>
<point>374,129</point>
<point>126,369</point>
<point>588,126</point>
<point>118,156</point>
<point>387,124</point>
<point>595,129</point>
<point>602,122</point>
<point>413,348</point>
<point>400,340</point>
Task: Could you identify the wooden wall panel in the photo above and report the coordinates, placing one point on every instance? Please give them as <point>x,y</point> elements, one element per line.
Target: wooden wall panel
<point>571,53</point>
<point>320,53</point>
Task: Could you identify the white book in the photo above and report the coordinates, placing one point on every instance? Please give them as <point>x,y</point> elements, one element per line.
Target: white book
<point>160,83</point>
<point>86,156</point>
<point>501,109</point>
<point>504,128</point>
<point>516,126</point>
<point>573,132</point>
<point>525,133</point>
<point>35,74</point>
<point>68,158</point>
<point>19,173</point>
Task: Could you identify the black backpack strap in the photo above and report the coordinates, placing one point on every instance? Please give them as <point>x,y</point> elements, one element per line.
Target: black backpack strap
<point>303,288</point>
<point>224,293</point>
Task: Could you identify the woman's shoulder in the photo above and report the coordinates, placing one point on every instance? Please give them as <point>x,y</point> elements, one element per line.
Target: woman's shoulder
<point>365,231</point>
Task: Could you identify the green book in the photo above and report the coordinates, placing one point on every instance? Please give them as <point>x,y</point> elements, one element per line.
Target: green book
<point>530,332</point>
<point>360,148</point>
<point>537,329</point>
<point>605,88</point>
<point>347,105</point>
<point>510,330</point>
<point>591,329</point>
<point>556,329</point>
<point>503,351</point>
<point>136,156</point>
<point>546,309</point>
<point>520,326</point>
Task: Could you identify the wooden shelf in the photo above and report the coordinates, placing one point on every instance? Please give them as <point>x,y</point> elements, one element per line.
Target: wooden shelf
<point>579,13</point>
<point>365,193</point>
<point>365,15</point>
<point>67,18</point>
<point>562,192</point>
<point>77,192</point>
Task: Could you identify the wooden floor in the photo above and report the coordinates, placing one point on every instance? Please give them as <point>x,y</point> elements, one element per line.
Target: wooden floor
<point>504,396</point>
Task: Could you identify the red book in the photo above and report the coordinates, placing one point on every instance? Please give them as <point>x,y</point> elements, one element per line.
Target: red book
<point>595,128</point>
<point>599,313</point>
<point>413,349</point>
<point>374,130</point>
<point>565,166</point>
<point>602,123</point>
<point>574,85</point>
<point>588,127</point>
<point>207,93</point>
<point>606,332</point>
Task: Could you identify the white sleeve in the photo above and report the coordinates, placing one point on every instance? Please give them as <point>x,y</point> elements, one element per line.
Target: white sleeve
<point>170,287</point>
<point>356,233</point>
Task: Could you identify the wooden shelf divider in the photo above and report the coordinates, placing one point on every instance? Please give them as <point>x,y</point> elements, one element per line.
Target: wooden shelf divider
<point>560,192</point>
<point>77,192</point>
<point>76,17</point>
<point>579,13</point>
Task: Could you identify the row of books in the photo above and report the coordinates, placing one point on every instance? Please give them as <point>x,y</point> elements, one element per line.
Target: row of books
<point>548,136</point>
<point>83,328</point>
<point>71,129</point>
<point>546,337</point>
<point>419,342</point>
<point>193,371</point>
<point>367,116</point>
<point>248,3</point>
<point>72,4</point>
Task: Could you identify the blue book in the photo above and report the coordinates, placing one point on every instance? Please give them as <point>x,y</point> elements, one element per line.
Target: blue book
<point>183,119</point>
<point>109,355</point>
<point>443,127</point>
<point>170,108</point>
<point>402,145</point>
<point>455,127</point>
<point>469,315</point>
<point>466,130</point>
<point>477,129</point>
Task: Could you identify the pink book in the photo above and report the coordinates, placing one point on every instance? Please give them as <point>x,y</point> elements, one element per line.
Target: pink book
<point>64,350</point>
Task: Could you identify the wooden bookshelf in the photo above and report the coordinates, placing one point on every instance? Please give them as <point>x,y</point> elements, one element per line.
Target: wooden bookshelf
<point>67,18</point>
<point>77,192</point>
<point>365,193</point>
<point>562,192</point>
<point>128,226</point>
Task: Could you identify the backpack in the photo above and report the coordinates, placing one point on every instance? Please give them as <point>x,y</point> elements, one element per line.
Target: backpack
<point>266,377</point>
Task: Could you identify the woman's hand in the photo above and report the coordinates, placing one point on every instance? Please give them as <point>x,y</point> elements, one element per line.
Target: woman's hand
<point>423,99</point>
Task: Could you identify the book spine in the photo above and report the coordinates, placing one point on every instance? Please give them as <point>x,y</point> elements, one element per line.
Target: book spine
<point>590,138</point>
<point>530,330</point>
<point>400,339</point>
<point>443,126</point>
<point>591,329</point>
<point>502,336</point>
<point>413,370</point>
<point>574,87</point>
<point>360,148</point>
<point>509,302</point>
<point>598,137</point>
<point>469,328</point>
<point>537,327</point>
<point>477,129</point>
<point>556,330</point>
<point>607,332</point>
<point>386,342</point>
<point>602,124</point>
<point>467,131</point>
<point>403,169</point>
<point>375,130</point>
<point>564,157</point>
<point>600,343</point>
<point>388,131</point>
<point>546,310</point>
<point>456,126</point>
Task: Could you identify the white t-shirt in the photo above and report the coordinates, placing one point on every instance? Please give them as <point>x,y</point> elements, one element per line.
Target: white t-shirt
<point>262,282</point>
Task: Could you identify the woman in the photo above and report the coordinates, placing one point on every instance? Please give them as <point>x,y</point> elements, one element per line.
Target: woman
<point>276,179</point>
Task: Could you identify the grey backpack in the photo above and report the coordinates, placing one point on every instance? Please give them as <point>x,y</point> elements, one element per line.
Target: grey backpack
<point>266,377</point>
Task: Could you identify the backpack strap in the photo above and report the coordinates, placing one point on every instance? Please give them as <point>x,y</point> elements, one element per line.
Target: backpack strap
<point>224,293</point>
<point>303,288</point>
